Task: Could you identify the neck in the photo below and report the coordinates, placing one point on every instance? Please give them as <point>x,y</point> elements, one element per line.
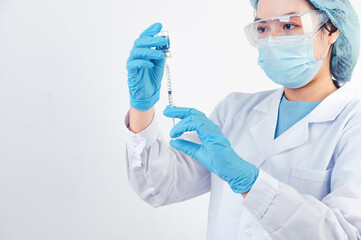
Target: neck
<point>316,91</point>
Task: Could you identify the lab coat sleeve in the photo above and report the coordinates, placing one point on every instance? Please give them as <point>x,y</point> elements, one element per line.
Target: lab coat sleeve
<point>160,174</point>
<point>286,214</point>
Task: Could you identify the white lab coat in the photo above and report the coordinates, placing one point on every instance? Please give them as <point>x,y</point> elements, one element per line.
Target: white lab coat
<point>309,185</point>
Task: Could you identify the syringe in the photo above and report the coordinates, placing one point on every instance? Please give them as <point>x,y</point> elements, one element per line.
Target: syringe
<point>169,88</point>
<point>166,50</point>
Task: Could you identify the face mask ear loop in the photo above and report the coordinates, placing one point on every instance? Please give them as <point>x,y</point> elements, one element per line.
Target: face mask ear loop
<point>324,55</point>
<point>317,33</point>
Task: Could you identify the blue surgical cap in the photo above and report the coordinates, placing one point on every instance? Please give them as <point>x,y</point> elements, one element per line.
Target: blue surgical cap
<point>346,48</point>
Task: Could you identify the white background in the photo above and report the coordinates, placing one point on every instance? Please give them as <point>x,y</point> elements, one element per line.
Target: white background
<point>63,98</point>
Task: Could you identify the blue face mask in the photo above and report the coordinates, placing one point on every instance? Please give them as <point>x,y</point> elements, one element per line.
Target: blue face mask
<point>289,60</point>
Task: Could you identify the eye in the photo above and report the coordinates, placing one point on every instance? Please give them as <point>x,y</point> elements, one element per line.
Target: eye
<point>261,29</point>
<point>289,26</point>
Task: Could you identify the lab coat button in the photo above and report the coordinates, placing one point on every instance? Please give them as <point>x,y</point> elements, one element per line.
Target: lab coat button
<point>247,233</point>
<point>138,164</point>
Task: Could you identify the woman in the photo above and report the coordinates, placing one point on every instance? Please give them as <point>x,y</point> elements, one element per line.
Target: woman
<point>280,164</point>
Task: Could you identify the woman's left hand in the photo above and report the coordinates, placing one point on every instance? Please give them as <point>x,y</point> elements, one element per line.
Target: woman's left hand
<point>215,153</point>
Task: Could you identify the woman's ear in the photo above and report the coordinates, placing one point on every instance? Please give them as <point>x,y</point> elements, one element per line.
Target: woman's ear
<point>333,36</point>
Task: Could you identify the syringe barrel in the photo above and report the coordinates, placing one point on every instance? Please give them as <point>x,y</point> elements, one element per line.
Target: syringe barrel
<point>169,85</point>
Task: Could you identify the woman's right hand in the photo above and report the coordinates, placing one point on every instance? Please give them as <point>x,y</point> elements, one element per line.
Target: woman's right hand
<point>145,69</point>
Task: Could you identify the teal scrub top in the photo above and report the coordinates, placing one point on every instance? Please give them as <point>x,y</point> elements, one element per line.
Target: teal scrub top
<point>290,113</point>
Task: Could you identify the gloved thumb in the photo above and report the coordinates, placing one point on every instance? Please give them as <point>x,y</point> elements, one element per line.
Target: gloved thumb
<point>152,30</point>
<point>189,148</point>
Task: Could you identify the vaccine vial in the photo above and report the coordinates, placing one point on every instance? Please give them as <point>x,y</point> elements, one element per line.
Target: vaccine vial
<point>166,48</point>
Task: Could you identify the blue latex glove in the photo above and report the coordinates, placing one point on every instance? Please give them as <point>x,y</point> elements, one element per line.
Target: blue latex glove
<point>145,69</point>
<point>215,153</point>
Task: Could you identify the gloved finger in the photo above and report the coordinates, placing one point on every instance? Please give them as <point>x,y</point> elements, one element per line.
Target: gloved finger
<point>135,65</point>
<point>152,30</point>
<point>138,53</point>
<point>186,125</point>
<point>159,62</point>
<point>181,112</point>
<point>189,148</point>
<point>147,42</point>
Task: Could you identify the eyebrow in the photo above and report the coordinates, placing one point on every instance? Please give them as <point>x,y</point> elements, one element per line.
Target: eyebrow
<point>256,19</point>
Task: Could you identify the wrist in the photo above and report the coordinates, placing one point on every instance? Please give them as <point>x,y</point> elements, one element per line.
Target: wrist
<point>244,195</point>
<point>140,120</point>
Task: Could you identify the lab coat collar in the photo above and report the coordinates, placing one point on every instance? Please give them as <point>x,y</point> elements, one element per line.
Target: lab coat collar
<point>263,131</point>
<point>327,110</point>
<point>333,104</point>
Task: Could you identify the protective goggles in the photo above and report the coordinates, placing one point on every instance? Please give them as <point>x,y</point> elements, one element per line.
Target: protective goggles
<point>298,24</point>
